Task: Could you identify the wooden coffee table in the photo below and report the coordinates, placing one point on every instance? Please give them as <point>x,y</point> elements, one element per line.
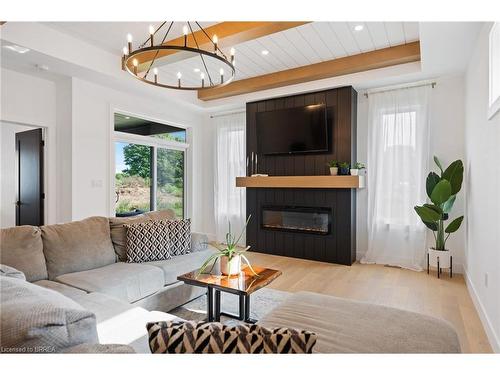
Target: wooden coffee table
<point>242,285</point>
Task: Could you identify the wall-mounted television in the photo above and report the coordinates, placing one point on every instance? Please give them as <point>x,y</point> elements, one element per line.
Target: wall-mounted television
<point>293,131</point>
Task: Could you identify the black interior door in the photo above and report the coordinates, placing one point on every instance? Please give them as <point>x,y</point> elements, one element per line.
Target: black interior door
<point>30,194</point>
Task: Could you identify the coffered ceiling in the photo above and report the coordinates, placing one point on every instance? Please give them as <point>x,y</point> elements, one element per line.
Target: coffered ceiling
<point>310,43</point>
<point>329,48</point>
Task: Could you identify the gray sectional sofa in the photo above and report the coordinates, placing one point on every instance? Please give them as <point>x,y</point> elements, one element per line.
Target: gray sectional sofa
<point>83,263</point>
<point>66,288</point>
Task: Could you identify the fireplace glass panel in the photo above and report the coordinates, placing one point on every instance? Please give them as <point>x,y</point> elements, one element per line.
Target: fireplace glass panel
<point>297,219</point>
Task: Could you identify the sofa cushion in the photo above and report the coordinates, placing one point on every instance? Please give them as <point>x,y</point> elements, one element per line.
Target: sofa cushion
<point>119,322</point>
<point>161,215</point>
<point>11,272</point>
<point>199,242</point>
<point>119,233</point>
<point>22,248</point>
<point>77,246</point>
<point>181,264</point>
<point>206,337</point>
<point>100,349</point>
<point>180,236</point>
<point>64,289</point>
<point>35,318</point>
<point>148,241</point>
<point>347,326</point>
<point>127,281</point>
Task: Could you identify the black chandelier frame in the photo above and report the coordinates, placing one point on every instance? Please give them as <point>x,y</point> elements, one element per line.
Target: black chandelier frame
<point>128,59</point>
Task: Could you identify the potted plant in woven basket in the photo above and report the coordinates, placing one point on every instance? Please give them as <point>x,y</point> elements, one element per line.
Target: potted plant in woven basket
<point>442,190</point>
<point>230,255</point>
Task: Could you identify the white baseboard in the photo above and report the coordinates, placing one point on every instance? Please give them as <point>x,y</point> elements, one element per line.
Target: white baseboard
<point>488,327</point>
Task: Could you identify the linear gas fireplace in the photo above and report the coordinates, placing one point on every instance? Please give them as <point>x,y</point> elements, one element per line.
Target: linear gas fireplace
<point>313,220</point>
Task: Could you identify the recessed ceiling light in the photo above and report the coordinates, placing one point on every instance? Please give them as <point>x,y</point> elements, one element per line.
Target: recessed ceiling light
<point>196,70</point>
<point>265,52</point>
<point>127,117</point>
<point>358,28</point>
<point>16,48</point>
<point>42,67</point>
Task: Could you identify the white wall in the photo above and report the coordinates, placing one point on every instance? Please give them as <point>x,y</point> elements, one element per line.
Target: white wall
<point>8,173</point>
<point>203,179</point>
<point>77,115</point>
<point>447,142</point>
<point>26,99</point>
<point>483,187</point>
<point>93,153</point>
<point>64,122</point>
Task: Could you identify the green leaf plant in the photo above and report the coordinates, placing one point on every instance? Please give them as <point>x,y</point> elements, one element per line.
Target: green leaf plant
<point>230,249</point>
<point>442,190</point>
<point>358,166</point>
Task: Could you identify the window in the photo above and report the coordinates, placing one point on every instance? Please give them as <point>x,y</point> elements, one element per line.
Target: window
<point>150,161</point>
<point>399,142</point>
<point>399,129</point>
<point>398,156</point>
<point>229,163</point>
<point>134,125</point>
<point>170,180</point>
<point>133,177</point>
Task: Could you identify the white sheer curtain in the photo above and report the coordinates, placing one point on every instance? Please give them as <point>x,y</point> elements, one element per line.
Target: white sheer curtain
<point>230,203</point>
<point>398,158</point>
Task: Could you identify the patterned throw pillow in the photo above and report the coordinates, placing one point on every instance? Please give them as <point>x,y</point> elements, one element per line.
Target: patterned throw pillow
<point>148,241</point>
<point>180,236</point>
<point>202,337</point>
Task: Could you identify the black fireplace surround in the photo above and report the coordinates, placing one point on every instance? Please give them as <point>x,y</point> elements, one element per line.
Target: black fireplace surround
<point>317,224</point>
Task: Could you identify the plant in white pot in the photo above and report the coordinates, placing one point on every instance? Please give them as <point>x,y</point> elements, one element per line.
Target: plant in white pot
<point>356,167</point>
<point>230,255</point>
<point>442,190</point>
<point>334,167</point>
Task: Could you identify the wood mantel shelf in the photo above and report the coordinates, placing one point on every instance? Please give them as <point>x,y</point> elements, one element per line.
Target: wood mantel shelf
<point>311,182</point>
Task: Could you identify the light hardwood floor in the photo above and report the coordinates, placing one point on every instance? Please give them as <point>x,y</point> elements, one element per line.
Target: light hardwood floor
<point>444,298</point>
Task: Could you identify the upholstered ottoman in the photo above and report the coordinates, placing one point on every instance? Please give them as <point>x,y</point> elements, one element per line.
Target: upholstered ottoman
<point>346,326</point>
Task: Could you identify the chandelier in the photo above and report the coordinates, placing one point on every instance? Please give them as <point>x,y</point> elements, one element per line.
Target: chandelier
<point>179,64</point>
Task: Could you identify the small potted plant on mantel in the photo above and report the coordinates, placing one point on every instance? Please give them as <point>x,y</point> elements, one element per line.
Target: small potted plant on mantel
<point>442,190</point>
<point>355,168</point>
<point>334,167</point>
<point>230,255</point>
<point>344,168</point>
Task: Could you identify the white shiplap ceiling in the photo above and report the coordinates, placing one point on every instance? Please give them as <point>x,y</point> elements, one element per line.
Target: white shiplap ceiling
<point>112,36</point>
<point>304,45</point>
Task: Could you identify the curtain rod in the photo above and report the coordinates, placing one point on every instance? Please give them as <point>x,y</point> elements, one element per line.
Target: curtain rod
<point>432,84</point>
<point>234,112</point>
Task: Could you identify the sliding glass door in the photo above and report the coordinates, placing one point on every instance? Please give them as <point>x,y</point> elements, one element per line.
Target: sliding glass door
<point>148,178</point>
<point>133,175</point>
<point>150,167</point>
<point>170,180</point>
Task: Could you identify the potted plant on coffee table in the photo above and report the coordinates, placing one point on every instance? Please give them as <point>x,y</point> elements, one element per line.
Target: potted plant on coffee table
<point>356,167</point>
<point>442,190</point>
<point>334,167</point>
<point>230,255</point>
<point>344,168</point>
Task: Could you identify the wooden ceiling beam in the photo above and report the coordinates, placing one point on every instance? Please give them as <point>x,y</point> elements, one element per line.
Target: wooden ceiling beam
<point>381,58</point>
<point>228,33</point>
